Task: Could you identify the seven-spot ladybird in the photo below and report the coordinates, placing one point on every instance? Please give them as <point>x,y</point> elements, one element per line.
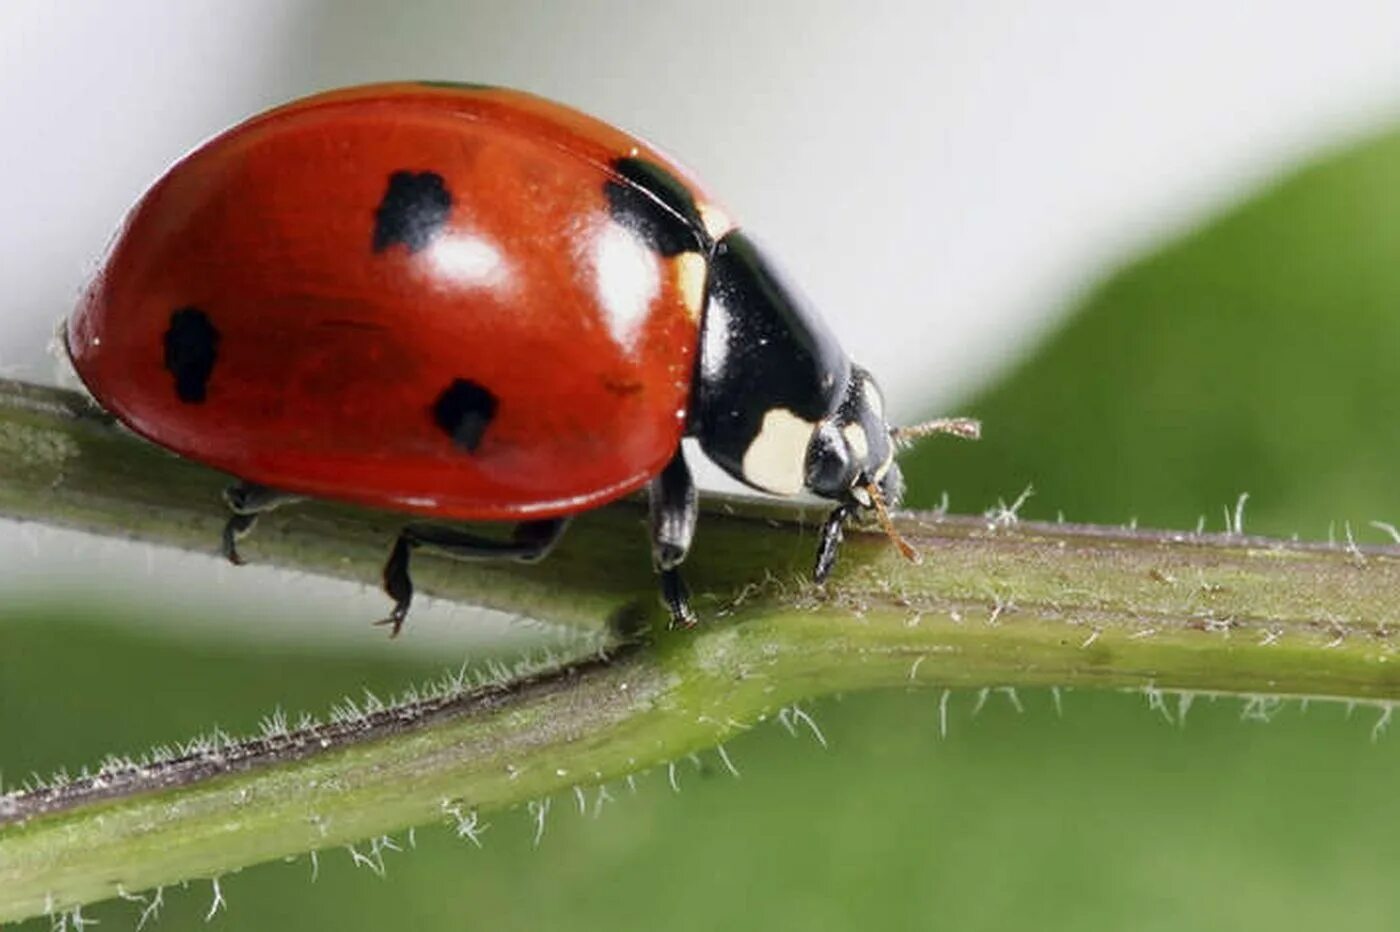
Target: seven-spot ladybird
<point>466,302</point>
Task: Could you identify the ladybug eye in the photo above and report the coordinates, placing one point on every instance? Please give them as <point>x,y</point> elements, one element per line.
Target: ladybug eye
<point>828,468</point>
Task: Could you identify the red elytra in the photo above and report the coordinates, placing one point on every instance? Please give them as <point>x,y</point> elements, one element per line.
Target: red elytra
<point>341,326</point>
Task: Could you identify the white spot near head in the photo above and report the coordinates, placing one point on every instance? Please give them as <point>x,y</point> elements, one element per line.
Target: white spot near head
<point>628,279</point>
<point>717,222</point>
<point>862,496</point>
<point>690,277</point>
<point>857,441</point>
<point>776,459</point>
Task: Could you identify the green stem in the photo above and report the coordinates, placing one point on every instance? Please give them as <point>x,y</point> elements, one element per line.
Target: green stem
<point>994,603</point>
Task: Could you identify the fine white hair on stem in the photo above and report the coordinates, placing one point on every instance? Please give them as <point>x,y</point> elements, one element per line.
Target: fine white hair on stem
<point>801,715</point>
<point>218,905</point>
<point>724,756</point>
<point>539,809</point>
<point>1382,723</point>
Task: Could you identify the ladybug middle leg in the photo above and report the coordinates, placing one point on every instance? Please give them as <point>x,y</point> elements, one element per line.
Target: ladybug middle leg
<point>674,509</point>
<point>246,501</point>
<point>529,541</point>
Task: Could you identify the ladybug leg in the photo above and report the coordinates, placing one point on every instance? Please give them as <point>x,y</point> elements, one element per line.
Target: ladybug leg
<point>829,542</point>
<point>674,509</point>
<point>246,501</point>
<point>529,542</point>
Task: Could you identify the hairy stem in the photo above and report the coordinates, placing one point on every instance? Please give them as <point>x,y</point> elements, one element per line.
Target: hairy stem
<point>993,603</point>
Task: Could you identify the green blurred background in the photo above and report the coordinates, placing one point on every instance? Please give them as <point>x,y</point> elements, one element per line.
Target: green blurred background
<point>1257,354</point>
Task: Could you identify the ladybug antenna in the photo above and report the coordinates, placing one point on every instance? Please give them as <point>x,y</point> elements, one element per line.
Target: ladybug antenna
<point>968,428</point>
<point>882,514</point>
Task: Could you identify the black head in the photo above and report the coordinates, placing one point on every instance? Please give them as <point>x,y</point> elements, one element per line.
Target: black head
<point>852,451</point>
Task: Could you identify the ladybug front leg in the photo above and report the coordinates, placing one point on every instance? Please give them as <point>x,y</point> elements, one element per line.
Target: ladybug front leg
<point>246,501</point>
<point>529,541</point>
<point>675,508</point>
<point>829,542</point>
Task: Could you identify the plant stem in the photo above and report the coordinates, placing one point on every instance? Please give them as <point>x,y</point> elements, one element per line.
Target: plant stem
<point>994,603</point>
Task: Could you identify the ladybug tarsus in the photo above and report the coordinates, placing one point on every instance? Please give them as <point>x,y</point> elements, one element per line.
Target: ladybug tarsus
<point>674,510</point>
<point>829,542</point>
<point>245,501</point>
<point>676,595</point>
<point>529,542</point>
<point>398,585</point>
<point>236,528</point>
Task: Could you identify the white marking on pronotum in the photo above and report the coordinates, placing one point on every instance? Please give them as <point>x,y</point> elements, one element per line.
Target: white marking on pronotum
<point>716,221</point>
<point>671,777</point>
<point>690,278</point>
<point>774,460</point>
<point>943,713</point>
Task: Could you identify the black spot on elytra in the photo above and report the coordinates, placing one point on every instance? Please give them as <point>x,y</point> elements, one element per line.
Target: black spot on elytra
<point>413,210</point>
<point>656,206</point>
<point>191,349</point>
<point>464,410</point>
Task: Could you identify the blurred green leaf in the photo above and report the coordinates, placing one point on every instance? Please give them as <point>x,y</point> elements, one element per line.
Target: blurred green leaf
<point>1257,354</point>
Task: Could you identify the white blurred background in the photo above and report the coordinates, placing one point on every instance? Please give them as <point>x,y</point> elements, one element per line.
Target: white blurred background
<point>943,178</point>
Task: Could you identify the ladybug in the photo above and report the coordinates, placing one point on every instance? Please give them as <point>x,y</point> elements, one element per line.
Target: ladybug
<point>468,303</point>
